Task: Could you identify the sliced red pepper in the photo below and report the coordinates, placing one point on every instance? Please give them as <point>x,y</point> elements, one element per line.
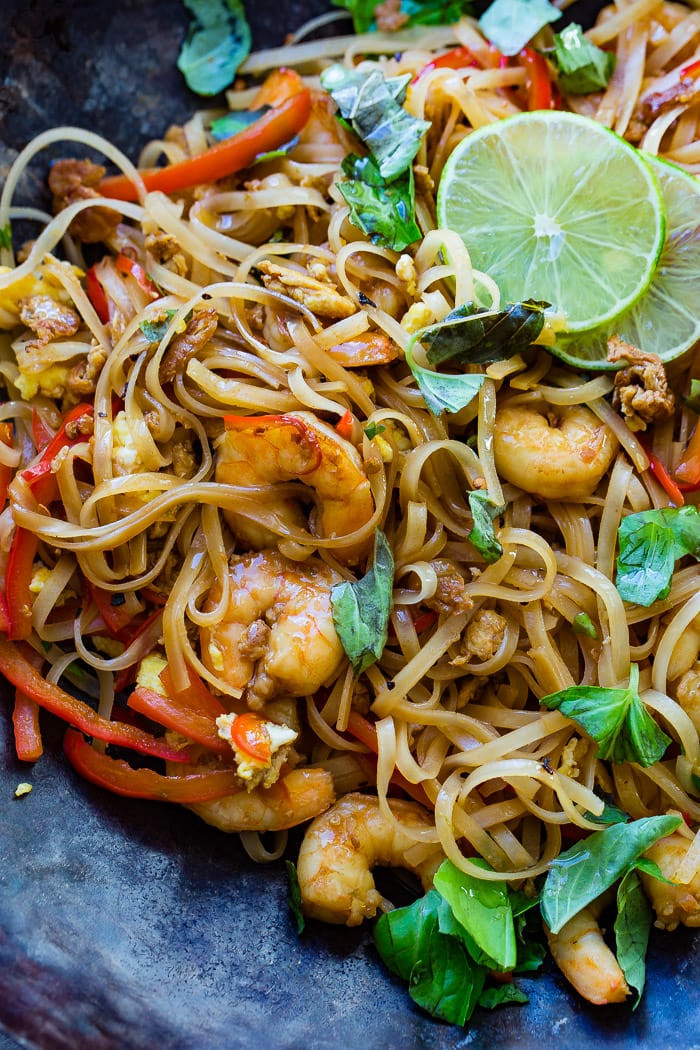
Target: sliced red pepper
<point>7,438</point>
<point>129,267</point>
<point>119,777</point>
<point>458,58</point>
<point>688,470</point>
<point>661,474</point>
<point>167,712</point>
<point>96,294</point>
<point>365,732</point>
<point>424,620</point>
<point>19,577</point>
<point>273,129</point>
<point>346,425</point>
<point>4,615</point>
<point>250,735</point>
<point>539,81</point>
<point>691,71</point>
<point>40,476</point>
<point>43,435</point>
<point>17,668</point>
<point>116,617</point>
<point>195,695</point>
<point>25,720</point>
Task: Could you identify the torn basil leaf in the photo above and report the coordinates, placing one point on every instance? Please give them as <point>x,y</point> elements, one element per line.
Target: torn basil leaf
<point>482,908</point>
<point>611,814</point>
<point>651,541</point>
<point>483,534</point>
<point>632,927</point>
<point>501,995</point>
<point>583,624</point>
<point>217,41</point>
<point>510,24</point>
<point>294,898</point>
<point>580,874</point>
<point>582,66</point>
<point>238,120</point>
<point>384,210</point>
<point>475,336</point>
<point>416,12</point>
<point>372,106</point>
<point>615,718</point>
<point>444,392</point>
<point>361,609</point>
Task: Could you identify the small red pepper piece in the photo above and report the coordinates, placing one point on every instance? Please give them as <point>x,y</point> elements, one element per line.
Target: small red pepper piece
<point>43,435</point>
<point>661,474</point>
<point>539,82</point>
<point>424,620</point>
<point>167,712</point>
<point>688,470</point>
<point>7,438</point>
<point>195,695</point>
<point>273,129</point>
<point>39,476</point>
<point>17,668</point>
<point>19,577</point>
<point>96,294</point>
<point>118,776</point>
<point>116,617</point>
<point>25,720</point>
<point>691,71</point>
<point>345,426</point>
<point>250,735</point>
<point>458,58</point>
<point>130,268</point>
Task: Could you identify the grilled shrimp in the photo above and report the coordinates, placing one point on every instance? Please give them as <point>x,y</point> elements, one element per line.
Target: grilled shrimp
<point>276,635</point>
<point>557,453</point>
<point>298,796</point>
<point>586,961</point>
<point>673,903</point>
<point>342,846</point>
<point>266,450</point>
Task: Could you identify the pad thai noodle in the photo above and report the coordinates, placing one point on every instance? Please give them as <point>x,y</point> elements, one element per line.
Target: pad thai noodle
<point>307,520</point>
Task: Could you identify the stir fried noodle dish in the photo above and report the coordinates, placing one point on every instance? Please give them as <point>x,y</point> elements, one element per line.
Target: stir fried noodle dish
<point>349,459</point>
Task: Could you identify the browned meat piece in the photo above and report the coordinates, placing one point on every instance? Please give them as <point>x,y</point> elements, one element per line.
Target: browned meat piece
<point>82,378</point>
<point>389,16</point>
<point>77,180</point>
<point>200,328</point>
<point>641,391</point>
<point>684,92</point>
<point>483,637</point>
<point>450,596</point>
<point>320,296</point>
<point>48,318</point>
<point>166,250</point>
<point>255,643</point>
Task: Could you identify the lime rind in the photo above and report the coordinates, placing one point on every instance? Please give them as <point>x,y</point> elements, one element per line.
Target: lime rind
<point>555,206</point>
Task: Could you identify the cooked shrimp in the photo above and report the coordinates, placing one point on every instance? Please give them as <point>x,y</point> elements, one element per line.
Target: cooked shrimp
<point>343,845</point>
<point>557,454</point>
<point>267,450</point>
<point>369,348</point>
<point>277,634</point>
<point>586,961</point>
<point>673,903</point>
<point>298,796</point>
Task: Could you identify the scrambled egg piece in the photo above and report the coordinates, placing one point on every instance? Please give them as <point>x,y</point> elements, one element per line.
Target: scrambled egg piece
<point>39,577</point>
<point>125,454</point>
<point>248,767</point>
<point>51,382</point>
<point>37,283</point>
<point>22,789</point>
<point>109,646</point>
<point>416,317</point>
<point>148,674</point>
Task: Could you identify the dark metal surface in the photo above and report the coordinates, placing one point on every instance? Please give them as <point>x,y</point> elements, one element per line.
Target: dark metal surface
<point>133,926</point>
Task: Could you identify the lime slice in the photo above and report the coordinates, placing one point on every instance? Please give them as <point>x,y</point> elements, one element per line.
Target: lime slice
<point>666,320</point>
<point>555,206</point>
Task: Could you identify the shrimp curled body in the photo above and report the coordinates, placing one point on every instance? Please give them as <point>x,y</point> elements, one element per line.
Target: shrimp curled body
<point>266,451</point>
<point>586,961</point>
<point>557,454</point>
<point>342,846</point>
<point>296,797</point>
<point>277,634</point>
<point>673,902</point>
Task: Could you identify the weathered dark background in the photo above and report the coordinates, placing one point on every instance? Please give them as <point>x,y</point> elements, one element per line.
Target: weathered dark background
<point>133,926</point>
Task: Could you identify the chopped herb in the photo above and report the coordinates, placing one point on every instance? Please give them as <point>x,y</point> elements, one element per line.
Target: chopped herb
<point>416,12</point>
<point>6,235</point>
<point>483,534</point>
<point>470,334</point>
<point>583,624</point>
<point>294,898</point>
<point>444,392</point>
<point>217,41</point>
<point>510,24</point>
<point>651,541</point>
<point>155,330</point>
<point>615,718</point>
<point>502,995</point>
<point>582,66</point>
<point>632,927</point>
<point>384,210</point>
<point>232,123</point>
<point>361,609</point>
<point>372,429</point>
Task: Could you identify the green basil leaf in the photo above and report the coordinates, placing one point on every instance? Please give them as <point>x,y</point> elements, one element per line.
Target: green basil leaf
<point>442,978</point>
<point>582,66</point>
<point>583,624</point>
<point>650,542</point>
<point>611,814</point>
<point>483,534</point>
<point>615,718</point>
<point>479,337</point>
<point>483,908</point>
<point>6,235</point>
<point>372,429</point>
<point>385,211</point>
<point>632,927</point>
<point>217,41</point>
<point>580,874</point>
<point>443,392</point>
<point>231,124</point>
<point>371,104</point>
<point>650,867</point>
<point>417,12</point>
<point>501,995</point>
<point>510,24</point>
<point>294,898</point>
<point>361,609</point>
<point>528,932</point>
<point>155,330</point>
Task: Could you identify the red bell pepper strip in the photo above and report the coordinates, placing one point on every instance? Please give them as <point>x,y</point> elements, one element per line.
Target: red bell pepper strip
<point>25,720</point>
<point>250,735</point>
<point>424,620</point>
<point>129,267</point>
<point>458,58</point>
<point>365,732</point>
<point>43,435</point>
<point>272,130</point>
<point>688,470</point>
<point>691,71</point>
<point>119,777</point>
<point>539,82</point>
<point>4,615</point>
<point>96,294</point>
<point>116,617</point>
<point>661,474</point>
<point>195,695</point>
<point>18,670</point>
<point>18,580</point>
<point>6,437</point>
<point>40,476</point>
<point>167,712</point>
<point>345,426</point>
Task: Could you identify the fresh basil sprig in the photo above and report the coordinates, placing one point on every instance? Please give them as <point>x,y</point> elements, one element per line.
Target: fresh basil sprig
<point>471,334</point>
<point>615,718</point>
<point>384,210</point>
<point>483,535</point>
<point>651,541</point>
<point>632,926</point>
<point>510,24</point>
<point>441,391</point>
<point>484,912</point>
<point>582,66</point>
<point>580,874</point>
<point>361,609</point>
<point>416,12</point>
<point>217,42</point>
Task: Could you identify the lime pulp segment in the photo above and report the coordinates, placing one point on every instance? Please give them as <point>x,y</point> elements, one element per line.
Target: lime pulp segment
<point>555,206</point>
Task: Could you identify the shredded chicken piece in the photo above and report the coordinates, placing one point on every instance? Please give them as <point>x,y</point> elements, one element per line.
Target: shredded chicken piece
<point>200,328</point>
<point>48,318</point>
<point>318,296</point>
<point>389,16</point>
<point>166,251</point>
<point>641,391</point>
<point>254,644</point>
<point>450,596</point>
<point>82,378</point>
<point>184,459</point>
<point>78,180</point>
<point>482,638</point>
